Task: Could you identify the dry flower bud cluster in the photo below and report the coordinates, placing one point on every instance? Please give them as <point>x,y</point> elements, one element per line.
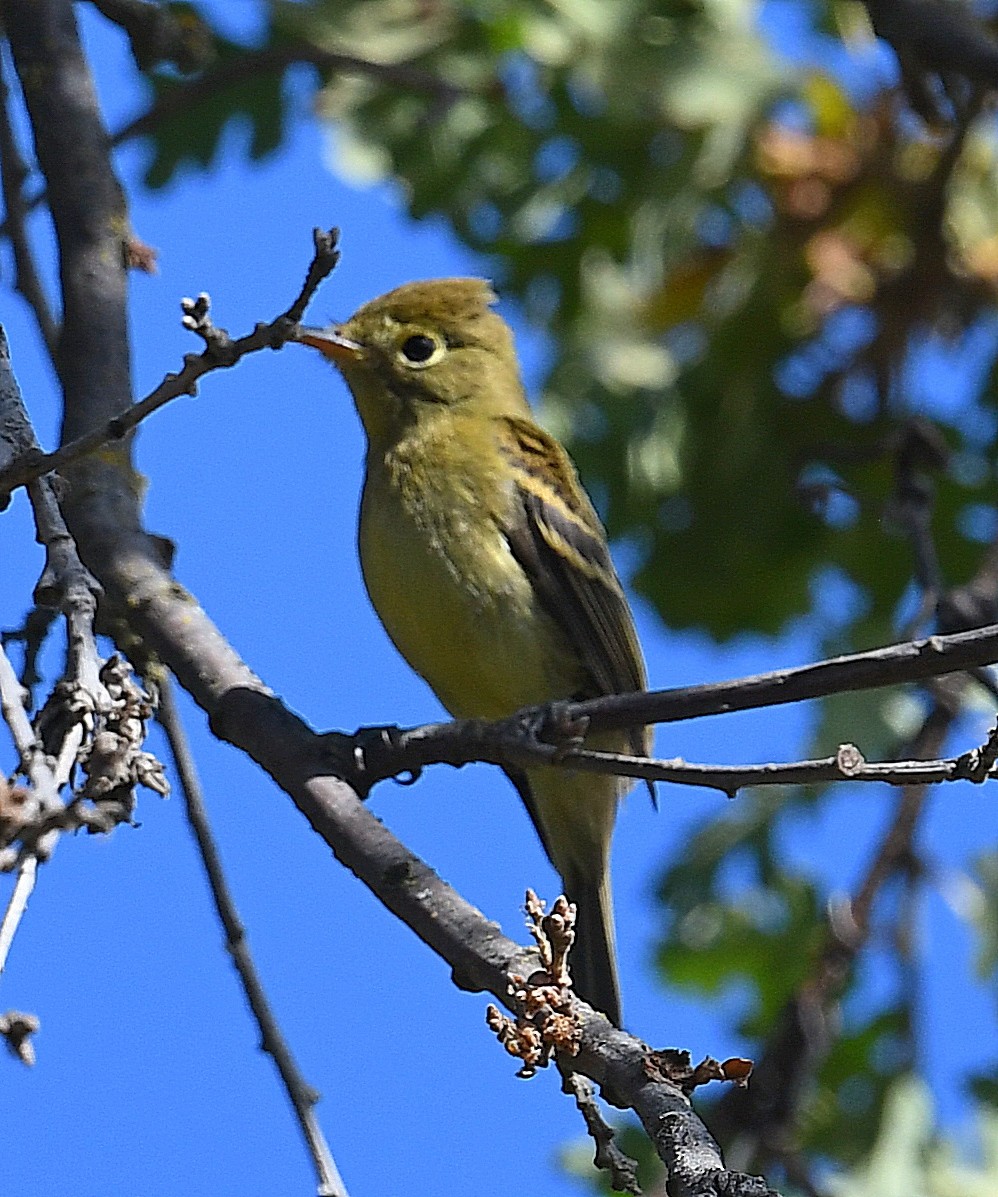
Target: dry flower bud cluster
<point>110,726</point>
<point>546,1022</point>
<point>553,933</point>
<point>113,762</point>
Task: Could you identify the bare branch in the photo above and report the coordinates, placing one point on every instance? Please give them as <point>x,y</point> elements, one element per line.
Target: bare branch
<point>912,661</point>
<point>501,744</point>
<point>536,735</point>
<point>13,174</point>
<point>96,715</point>
<point>43,799</point>
<point>14,713</point>
<point>622,1169</point>
<point>220,352</point>
<point>302,1096</point>
<point>24,887</point>
<point>848,764</point>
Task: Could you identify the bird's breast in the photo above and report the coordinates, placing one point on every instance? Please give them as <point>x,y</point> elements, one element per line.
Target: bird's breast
<point>452,597</point>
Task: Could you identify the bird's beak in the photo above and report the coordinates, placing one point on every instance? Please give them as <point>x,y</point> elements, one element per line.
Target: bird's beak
<point>330,343</point>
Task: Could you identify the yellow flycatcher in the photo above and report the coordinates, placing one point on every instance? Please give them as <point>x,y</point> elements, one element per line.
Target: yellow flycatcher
<point>487,564</point>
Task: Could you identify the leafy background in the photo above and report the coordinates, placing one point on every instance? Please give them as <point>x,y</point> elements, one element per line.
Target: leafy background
<point>754,292</point>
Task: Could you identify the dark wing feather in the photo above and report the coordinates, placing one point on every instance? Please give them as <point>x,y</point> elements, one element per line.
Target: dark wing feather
<point>557,538</point>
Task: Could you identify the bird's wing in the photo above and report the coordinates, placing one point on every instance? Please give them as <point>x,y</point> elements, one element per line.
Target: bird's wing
<point>558,541</point>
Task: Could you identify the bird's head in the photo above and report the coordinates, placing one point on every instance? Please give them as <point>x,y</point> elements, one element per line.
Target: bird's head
<point>422,349</point>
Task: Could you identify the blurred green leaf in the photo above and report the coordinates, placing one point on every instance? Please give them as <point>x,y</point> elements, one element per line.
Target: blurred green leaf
<point>909,1158</point>
<point>841,1117</point>
<point>252,98</point>
<point>761,941</point>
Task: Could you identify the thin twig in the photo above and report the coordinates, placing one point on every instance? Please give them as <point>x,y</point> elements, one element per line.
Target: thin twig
<point>23,735</point>
<point>24,886</point>
<point>302,1096</point>
<point>13,174</point>
<point>14,714</point>
<point>33,762</point>
<point>220,352</point>
<point>623,1171</point>
<point>896,664</point>
<point>499,744</point>
<point>848,764</point>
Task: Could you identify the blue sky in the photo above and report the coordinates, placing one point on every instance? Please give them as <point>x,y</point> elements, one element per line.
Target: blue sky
<point>148,1079</point>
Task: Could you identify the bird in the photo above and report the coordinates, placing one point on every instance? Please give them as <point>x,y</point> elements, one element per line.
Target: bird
<point>487,564</point>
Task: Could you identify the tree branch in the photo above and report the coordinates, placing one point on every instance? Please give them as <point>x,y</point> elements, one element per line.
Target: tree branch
<point>24,887</point>
<point>912,661</point>
<point>935,38</point>
<point>220,352</point>
<point>80,723</point>
<point>13,174</point>
<point>609,1157</point>
<point>302,1096</point>
<point>252,64</point>
<point>551,734</point>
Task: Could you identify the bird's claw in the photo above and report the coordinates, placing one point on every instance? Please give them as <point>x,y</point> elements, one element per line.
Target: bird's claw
<point>555,725</point>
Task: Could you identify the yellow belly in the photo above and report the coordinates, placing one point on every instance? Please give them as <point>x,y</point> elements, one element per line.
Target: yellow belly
<point>460,609</point>
<point>456,603</point>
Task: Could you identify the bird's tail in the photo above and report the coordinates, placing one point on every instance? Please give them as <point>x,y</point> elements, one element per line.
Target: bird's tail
<point>593,960</point>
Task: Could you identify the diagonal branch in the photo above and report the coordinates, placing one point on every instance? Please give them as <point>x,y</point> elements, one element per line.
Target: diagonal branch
<point>220,352</point>
<point>252,64</point>
<point>302,1096</point>
<point>157,35</point>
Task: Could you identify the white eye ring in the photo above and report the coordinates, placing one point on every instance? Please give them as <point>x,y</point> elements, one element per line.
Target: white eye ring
<point>420,350</point>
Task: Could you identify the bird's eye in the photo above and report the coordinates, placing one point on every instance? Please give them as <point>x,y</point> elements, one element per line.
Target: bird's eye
<point>419,348</point>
